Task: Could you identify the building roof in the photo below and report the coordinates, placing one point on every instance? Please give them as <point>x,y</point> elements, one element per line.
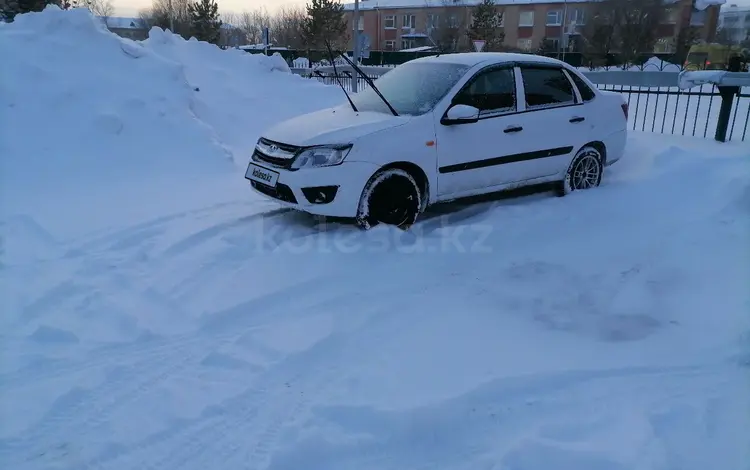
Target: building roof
<point>474,58</point>
<point>122,22</point>
<point>396,4</point>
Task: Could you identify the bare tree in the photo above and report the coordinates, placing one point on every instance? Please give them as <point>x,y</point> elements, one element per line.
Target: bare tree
<point>102,8</point>
<point>286,27</point>
<point>231,34</point>
<point>449,25</point>
<point>162,11</point>
<point>629,27</point>
<point>252,24</point>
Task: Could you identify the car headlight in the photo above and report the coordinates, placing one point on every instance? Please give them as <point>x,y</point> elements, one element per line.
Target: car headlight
<point>326,155</point>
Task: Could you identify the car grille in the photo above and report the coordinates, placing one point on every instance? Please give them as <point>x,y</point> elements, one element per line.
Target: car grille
<point>281,192</point>
<point>278,162</point>
<point>284,147</point>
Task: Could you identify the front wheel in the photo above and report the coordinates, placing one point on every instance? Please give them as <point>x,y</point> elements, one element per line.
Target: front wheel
<point>584,172</point>
<point>391,197</point>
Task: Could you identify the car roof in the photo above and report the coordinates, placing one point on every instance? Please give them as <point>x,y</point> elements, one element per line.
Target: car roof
<point>474,58</point>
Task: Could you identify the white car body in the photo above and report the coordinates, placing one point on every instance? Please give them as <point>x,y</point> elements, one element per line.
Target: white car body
<point>449,161</point>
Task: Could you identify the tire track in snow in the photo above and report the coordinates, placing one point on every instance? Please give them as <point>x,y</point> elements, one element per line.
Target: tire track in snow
<point>219,440</point>
<point>326,359</point>
<point>218,326</point>
<point>133,232</point>
<point>206,234</point>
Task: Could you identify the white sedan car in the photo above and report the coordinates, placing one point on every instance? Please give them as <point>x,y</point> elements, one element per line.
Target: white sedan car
<point>443,128</point>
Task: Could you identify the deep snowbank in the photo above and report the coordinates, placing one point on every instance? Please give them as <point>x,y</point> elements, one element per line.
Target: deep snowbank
<point>87,116</point>
<point>605,330</point>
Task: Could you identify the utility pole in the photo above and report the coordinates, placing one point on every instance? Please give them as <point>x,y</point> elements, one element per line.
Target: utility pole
<point>355,75</point>
<point>562,30</point>
<point>171,17</point>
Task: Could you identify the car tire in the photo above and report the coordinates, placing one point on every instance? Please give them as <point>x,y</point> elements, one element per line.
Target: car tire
<point>390,197</point>
<point>584,172</point>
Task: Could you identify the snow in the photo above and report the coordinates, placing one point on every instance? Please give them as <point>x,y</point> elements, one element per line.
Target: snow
<point>107,111</point>
<point>157,314</point>
<point>700,77</point>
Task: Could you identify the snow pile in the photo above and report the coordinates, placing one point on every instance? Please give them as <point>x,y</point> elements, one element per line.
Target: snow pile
<point>234,84</point>
<point>85,112</point>
<point>654,64</point>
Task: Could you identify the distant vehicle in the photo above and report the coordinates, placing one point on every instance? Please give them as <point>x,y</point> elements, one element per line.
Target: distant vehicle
<point>712,56</point>
<point>441,128</point>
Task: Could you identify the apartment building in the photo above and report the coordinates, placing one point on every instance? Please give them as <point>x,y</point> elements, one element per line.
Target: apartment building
<point>735,20</point>
<point>393,25</point>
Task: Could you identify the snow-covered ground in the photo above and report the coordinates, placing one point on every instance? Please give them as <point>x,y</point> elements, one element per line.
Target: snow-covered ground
<point>157,314</point>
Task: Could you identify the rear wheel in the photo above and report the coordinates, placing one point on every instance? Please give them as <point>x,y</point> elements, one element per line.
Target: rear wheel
<point>584,172</point>
<point>391,197</point>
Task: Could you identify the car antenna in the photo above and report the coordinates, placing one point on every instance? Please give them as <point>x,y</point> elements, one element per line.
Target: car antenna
<point>338,79</point>
<point>369,82</point>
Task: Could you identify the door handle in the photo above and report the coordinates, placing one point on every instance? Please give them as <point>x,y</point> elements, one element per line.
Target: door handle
<point>510,129</point>
<point>577,119</point>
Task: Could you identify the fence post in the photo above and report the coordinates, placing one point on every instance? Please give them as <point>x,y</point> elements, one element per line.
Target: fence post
<point>727,94</point>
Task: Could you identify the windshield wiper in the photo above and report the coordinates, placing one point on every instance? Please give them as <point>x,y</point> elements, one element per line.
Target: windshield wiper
<point>369,82</point>
<point>338,79</point>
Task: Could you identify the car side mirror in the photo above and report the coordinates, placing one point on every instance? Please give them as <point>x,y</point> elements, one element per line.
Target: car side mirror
<point>460,114</point>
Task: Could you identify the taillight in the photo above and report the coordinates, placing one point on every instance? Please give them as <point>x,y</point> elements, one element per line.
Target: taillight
<point>625,110</point>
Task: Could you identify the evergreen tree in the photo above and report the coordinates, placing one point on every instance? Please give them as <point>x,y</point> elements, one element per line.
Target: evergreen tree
<point>204,20</point>
<point>486,25</point>
<point>324,22</point>
<point>10,8</point>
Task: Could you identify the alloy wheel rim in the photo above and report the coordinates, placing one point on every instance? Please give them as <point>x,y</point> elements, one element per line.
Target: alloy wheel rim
<point>586,172</point>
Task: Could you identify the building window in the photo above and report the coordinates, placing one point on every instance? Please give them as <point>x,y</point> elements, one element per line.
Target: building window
<point>390,45</point>
<point>410,21</point>
<point>389,22</point>
<point>453,21</point>
<point>500,19</point>
<point>524,44</point>
<point>577,16</point>
<point>551,44</point>
<point>526,18</point>
<point>361,23</point>
<point>554,18</point>
<point>407,44</point>
<point>433,21</point>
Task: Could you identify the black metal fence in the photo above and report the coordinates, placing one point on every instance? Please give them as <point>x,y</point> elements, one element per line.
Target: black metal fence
<point>664,110</point>
<point>694,112</point>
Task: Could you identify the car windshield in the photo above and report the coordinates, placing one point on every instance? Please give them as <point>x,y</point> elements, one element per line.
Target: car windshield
<point>413,88</point>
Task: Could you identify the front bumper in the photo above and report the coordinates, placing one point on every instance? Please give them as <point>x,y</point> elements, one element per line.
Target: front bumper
<point>332,191</point>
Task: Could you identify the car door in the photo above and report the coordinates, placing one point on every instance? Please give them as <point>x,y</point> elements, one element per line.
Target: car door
<point>554,119</point>
<point>472,157</point>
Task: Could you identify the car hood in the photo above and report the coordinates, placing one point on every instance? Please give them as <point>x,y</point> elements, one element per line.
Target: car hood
<point>337,125</point>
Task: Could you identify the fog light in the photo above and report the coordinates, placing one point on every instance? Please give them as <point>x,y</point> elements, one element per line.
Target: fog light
<point>320,194</point>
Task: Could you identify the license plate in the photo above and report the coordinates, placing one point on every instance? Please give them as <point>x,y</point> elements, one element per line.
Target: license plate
<point>261,175</point>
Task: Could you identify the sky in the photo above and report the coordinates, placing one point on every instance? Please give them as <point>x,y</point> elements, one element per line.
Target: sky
<point>131,7</point>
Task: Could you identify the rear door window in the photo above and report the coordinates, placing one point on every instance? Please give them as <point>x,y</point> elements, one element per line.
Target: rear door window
<point>545,87</point>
